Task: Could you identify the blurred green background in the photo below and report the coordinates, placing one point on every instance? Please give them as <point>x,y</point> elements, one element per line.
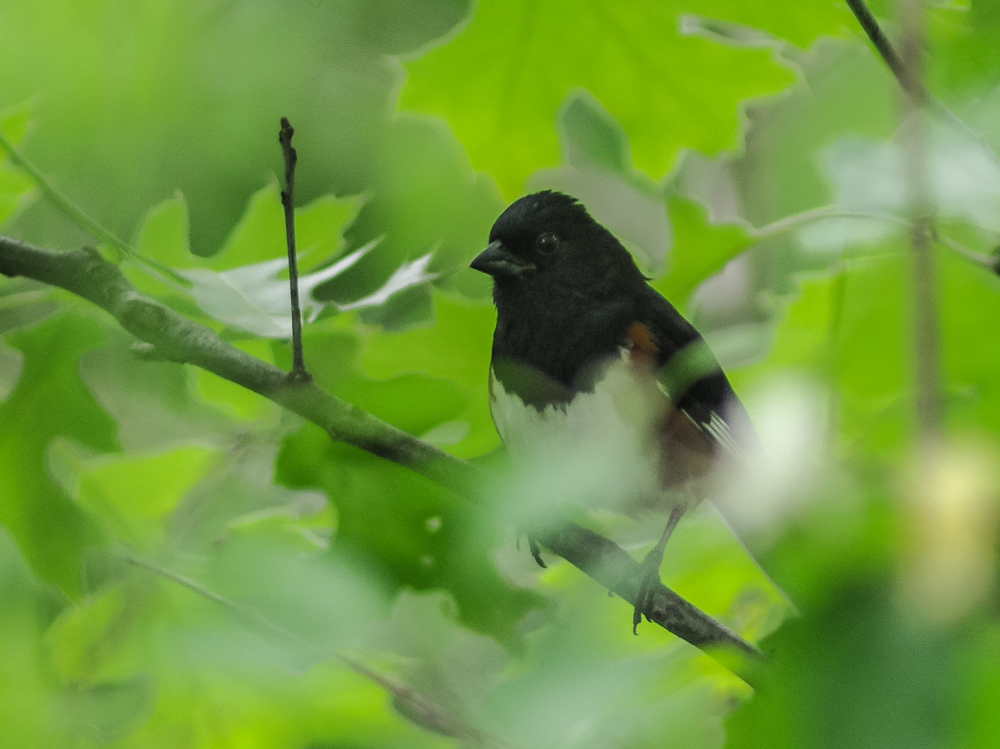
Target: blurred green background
<point>184,565</point>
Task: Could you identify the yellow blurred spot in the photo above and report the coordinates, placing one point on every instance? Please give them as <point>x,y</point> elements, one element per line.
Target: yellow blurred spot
<point>950,519</point>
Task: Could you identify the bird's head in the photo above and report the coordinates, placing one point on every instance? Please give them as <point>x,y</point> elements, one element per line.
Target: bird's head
<point>547,243</point>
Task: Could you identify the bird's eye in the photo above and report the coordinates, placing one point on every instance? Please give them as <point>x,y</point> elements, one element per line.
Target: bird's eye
<point>547,243</point>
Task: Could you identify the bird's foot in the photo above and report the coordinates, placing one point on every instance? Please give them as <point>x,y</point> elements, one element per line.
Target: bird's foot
<point>536,551</point>
<point>533,547</point>
<point>648,584</point>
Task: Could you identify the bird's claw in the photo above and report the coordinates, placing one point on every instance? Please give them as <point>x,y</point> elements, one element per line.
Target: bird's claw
<point>650,582</point>
<point>533,546</point>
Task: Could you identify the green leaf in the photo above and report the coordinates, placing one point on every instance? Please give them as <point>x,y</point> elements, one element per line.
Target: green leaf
<point>164,233</point>
<point>16,189</point>
<point>111,710</point>
<point>501,80</point>
<point>407,530</point>
<point>963,177</point>
<point>132,496</point>
<point>456,347</point>
<point>50,401</point>
<point>700,250</point>
<point>155,404</point>
<point>260,233</point>
<point>29,683</point>
<point>850,329</point>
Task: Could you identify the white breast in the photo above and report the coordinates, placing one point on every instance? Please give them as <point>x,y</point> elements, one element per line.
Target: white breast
<point>597,450</point>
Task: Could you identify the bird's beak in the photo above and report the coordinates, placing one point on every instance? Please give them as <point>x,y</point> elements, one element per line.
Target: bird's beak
<point>499,262</point>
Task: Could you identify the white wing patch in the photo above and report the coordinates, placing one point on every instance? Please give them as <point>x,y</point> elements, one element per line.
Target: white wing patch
<point>720,431</point>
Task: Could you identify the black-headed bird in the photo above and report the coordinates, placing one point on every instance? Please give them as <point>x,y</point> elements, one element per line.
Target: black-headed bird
<point>585,349</point>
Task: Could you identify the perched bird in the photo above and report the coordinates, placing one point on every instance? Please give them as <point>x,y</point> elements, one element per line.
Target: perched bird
<point>584,346</point>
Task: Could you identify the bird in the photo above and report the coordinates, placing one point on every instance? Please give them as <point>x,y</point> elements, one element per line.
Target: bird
<point>584,346</point>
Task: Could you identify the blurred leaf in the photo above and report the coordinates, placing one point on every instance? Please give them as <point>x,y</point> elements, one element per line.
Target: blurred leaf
<point>528,56</point>
<point>23,303</point>
<point>700,250</point>
<point>849,328</point>
<point>709,566</point>
<point>27,679</point>
<point>111,710</point>
<point>50,401</point>
<point>455,348</point>
<point>385,522</point>
<point>164,234</point>
<point>153,402</point>
<point>327,603</point>
<point>16,188</point>
<point>11,362</point>
<point>117,150</point>
<point>892,679</point>
<point>132,496</point>
<point>963,177</point>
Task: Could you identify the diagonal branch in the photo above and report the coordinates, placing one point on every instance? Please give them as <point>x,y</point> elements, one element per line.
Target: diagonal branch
<point>167,335</point>
<point>909,82</point>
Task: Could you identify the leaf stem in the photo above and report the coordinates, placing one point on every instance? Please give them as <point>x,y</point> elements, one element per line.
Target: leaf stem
<point>798,220</point>
<point>74,213</point>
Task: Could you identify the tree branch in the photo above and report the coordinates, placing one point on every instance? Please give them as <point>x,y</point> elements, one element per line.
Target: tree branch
<point>909,82</point>
<point>168,335</point>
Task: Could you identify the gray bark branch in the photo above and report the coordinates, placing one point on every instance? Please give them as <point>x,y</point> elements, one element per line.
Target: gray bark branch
<point>167,335</point>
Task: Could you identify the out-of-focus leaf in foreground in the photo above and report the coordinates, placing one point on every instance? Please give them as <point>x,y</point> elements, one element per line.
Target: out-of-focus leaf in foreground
<point>870,178</point>
<point>16,188</point>
<point>49,401</point>
<point>409,530</point>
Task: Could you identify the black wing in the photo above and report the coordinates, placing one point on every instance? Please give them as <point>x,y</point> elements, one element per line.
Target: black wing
<point>690,375</point>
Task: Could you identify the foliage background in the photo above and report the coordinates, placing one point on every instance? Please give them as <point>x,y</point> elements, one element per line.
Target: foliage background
<point>689,129</point>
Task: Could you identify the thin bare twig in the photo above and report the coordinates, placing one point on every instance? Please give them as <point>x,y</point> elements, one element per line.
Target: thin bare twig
<point>298,373</point>
<point>909,82</point>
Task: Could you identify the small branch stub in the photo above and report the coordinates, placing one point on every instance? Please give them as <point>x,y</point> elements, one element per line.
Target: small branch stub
<point>298,373</point>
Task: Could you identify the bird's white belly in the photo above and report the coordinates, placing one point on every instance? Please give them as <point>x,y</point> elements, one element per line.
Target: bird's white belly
<point>599,447</point>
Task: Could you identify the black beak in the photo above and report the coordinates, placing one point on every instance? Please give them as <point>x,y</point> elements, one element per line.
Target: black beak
<point>499,262</point>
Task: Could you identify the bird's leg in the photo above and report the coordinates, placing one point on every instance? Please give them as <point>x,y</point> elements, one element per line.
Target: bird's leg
<point>651,569</point>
